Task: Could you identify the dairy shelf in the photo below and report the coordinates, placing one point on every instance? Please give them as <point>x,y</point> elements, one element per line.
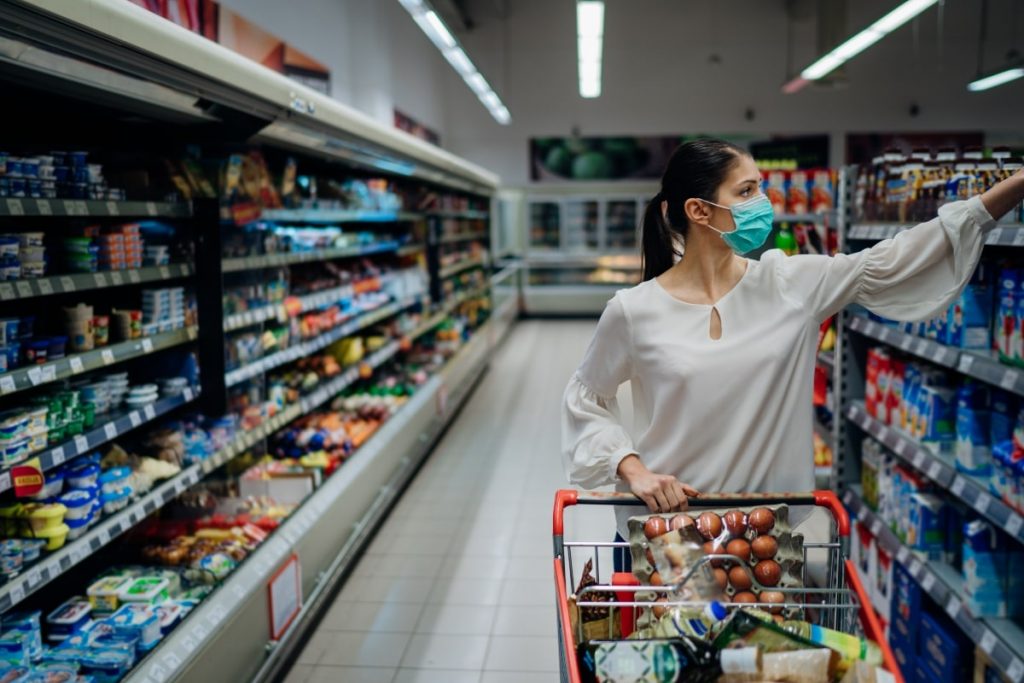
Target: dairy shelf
<point>1000,639</point>
<point>102,433</point>
<point>52,565</point>
<point>75,364</point>
<point>468,215</point>
<point>234,265</point>
<point>1003,235</point>
<point>941,469</point>
<point>313,345</point>
<point>982,366</point>
<point>93,208</point>
<point>308,302</point>
<point>462,237</point>
<point>82,282</point>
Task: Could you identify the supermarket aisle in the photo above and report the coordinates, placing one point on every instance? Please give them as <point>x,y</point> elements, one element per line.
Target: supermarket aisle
<point>457,587</point>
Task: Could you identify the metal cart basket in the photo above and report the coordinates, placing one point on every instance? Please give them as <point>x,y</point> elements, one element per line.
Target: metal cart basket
<point>840,604</point>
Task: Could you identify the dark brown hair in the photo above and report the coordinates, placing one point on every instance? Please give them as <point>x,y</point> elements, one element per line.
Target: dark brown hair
<point>695,170</point>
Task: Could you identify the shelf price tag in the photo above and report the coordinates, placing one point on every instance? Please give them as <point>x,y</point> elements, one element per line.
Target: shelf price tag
<point>147,345</point>
<point>149,411</point>
<point>5,481</point>
<point>915,568</point>
<point>903,555</point>
<point>113,209</point>
<point>77,367</point>
<point>15,207</point>
<point>151,208</point>
<point>134,277</point>
<point>900,447</point>
<point>982,503</point>
<point>100,279</point>
<point>882,433</point>
<point>928,582</point>
<point>958,486</point>
<point>57,456</point>
<point>45,286</point>
<point>953,606</point>
<point>81,444</point>
<point>1015,672</point>
<point>35,375</point>
<point>7,384</point>
<point>33,577</point>
<point>110,430</point>
<point>919,459</point>
<point>116,278</point>
<point>988,642</point>
<point>1018,238</point>
<point>187,393</point>
<point>6,290</point>
<point>966,362</point>
<point>934,470</point>
<point>1014,524</point>
<point>108,356</point>
<point>43,207</point>
<point>50,372</point>
<point>994,236</point>
<point>165,273</point>
<point>24,289</point>
<point>17,592</point>
<point>67,284</point>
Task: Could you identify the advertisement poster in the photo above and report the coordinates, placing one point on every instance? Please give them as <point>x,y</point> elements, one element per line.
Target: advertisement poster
<point>225,26</point>
<point>560,159</point>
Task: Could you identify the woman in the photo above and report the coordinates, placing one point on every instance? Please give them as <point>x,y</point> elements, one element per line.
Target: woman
<point>720,349</point>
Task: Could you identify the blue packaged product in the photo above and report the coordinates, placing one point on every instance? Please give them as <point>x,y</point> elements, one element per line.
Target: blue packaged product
<point>937,418</point>
<point>926,531</point>
<point>1006,332</point>
<point>107,666</point>
<point>118,642</point>
<point>944,652</point>
<point>1002,457</point>
<point>69,618</point>
<point>973,451</point>
<point>984,570</point>
<point>970,317</point>
<point>138,621</point>
<point>28,623</point>
<point>14,648</point>
<point>1002,416</point>
<point>911,392</point>
<point>16,674</point>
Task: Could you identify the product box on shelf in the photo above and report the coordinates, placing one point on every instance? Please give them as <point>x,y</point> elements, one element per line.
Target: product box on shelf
<point>926,531</point>
<point>1007,331</point>
<point>894,395</point>
<point>969,322</point>
<point>864,552</point>
<point>984,570</point>
<point>881,594</point>
<point>973,430</point>
<point>871,459</point>
<point>943,649</point>
<point>937,418</point>
<point>906,610</point>
<point>876,382</point>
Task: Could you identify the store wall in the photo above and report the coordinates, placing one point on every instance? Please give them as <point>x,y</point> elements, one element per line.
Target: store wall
<point>659,76</point>
<point>379,59</point>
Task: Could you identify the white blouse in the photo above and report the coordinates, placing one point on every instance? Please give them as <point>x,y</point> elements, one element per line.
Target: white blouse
<point>735,414</point>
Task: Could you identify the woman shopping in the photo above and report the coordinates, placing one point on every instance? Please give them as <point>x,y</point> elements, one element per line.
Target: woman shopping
<point>720,349</point>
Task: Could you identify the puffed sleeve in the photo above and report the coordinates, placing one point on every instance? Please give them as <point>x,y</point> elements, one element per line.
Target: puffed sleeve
<point>913,276</point>
<point>594,440</point>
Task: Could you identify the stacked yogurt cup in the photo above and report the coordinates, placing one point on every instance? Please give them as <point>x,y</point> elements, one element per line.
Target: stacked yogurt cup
<point>118,384</point>
<point>163,310</point>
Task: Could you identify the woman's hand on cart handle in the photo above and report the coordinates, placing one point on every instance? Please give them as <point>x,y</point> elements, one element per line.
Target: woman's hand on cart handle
<point>1001,198</point>
<point>660,492</point>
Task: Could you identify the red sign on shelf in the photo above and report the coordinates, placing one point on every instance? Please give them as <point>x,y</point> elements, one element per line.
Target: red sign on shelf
<point>27,478</point>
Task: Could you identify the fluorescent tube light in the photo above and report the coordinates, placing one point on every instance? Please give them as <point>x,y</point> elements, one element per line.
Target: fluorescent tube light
<point>859,42</point>
<point>996,79</point>
<point>431,23</point>
<point>589,38</point>
<point>440,30</point>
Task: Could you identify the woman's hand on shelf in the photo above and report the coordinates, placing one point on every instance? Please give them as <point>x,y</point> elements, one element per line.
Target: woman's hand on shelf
<point>660,492</point>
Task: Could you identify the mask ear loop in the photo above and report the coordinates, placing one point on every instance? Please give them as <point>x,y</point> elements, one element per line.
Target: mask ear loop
<point>720,232</point>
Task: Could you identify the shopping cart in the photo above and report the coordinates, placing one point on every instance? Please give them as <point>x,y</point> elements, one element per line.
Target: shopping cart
<point>841,604</point>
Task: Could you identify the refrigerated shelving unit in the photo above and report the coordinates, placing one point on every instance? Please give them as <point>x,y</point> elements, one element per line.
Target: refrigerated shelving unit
<point>112,58</point>
<point>1002,640</point>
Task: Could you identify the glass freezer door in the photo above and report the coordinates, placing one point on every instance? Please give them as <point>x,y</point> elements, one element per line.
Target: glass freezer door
<point>581,225</point>
<point>545,226</point>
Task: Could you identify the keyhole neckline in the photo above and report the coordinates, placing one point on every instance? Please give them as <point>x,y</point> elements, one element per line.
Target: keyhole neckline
<point>722,299</point>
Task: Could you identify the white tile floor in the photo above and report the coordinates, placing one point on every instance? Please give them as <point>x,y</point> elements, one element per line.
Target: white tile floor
<point>458,585</point>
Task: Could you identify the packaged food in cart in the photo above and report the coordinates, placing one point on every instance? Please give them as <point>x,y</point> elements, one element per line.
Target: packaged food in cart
<point>727,577</point>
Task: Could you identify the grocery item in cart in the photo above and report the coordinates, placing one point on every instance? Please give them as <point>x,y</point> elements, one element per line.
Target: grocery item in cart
<point>596,622</point>
<point>801,666</point>
<point>760,553</point>
<point>662,661</point>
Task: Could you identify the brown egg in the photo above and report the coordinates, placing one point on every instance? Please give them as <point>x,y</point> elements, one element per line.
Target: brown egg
<point>745,597</point>
<point>658,610</point>
<point>765,547</point>
<point>779,619</point>
<point>761,520</point>
<point>713,548</point>
<point>680,522</point>
<point>709,525</point>
<point>721,578</point>
<point>655,526</point>
<point>768,572</point>
<point>656,579</point>
<point>735,522</point>
<point>740,578</point>
<point>774,598</point>
<point>738,547</point>
<point>650,557</point>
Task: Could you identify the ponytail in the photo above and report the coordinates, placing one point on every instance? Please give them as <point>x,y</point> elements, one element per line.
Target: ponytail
<point>658,251</point>
<point>695,171</point>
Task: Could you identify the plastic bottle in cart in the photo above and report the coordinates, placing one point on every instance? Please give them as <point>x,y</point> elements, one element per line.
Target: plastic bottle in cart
<point>698,624</point>
<point>654,661</point>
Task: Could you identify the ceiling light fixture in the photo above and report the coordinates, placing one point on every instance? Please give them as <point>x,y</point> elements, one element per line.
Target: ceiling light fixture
<point>589,36</point>
<point>857,43</point>
<point>996,79</point>
<point>433,25</point>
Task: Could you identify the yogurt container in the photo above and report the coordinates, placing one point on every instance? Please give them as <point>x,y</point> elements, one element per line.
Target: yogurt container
<point>145,590</point>
<point>116,501</point>
<point>169,614</point>
<point>70,617</point>
<point>79,504</point>
<point>37,418</point>
<point>43,517</point>
<point>12,556</point>
<point>8,330</point>
<point>32,548</point>
<point>15,649</point>
<point>28,623</point>
<point>104,595</point>
<point>140,621</point>
<point>53,484</point>
<point>54,536</point>
<point>13,425</point>
<point>38,440</point>
<point>78,527</point>
<point>114,480</point>
<point>14,452</point>
<point>83,476</point>
<point>107,665</point>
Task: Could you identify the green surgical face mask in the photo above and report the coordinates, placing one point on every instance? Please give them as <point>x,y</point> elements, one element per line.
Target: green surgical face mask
<point>753,219</point>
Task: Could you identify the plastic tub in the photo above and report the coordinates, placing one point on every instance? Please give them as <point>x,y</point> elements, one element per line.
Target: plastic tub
<point>13,452</point>
<point>58,347</point>
<point>104,595</point>
<point>37,418</point>
<point>46,518</point>
<point>79,504</point>
<point>14,649</point>
<point>13,350</point>
<point>12,556</point>
<point>32,548</point>
<point>114,480</point>
<point>107,665</point>
<point>146,590</point>
<point>78,527</point>
<point>13,424</point>
<point>114,502</point>
<point>139,620</point>
<point>38,440</point>
<point>142,390</point>
<point>70,617</point>
<point>169,614</point>
<point>54,537</point>
<point>8,330</point>
<point>53,484</point>
<point>83,476</point>
<point>28,623</point>
<point>9,245</point>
